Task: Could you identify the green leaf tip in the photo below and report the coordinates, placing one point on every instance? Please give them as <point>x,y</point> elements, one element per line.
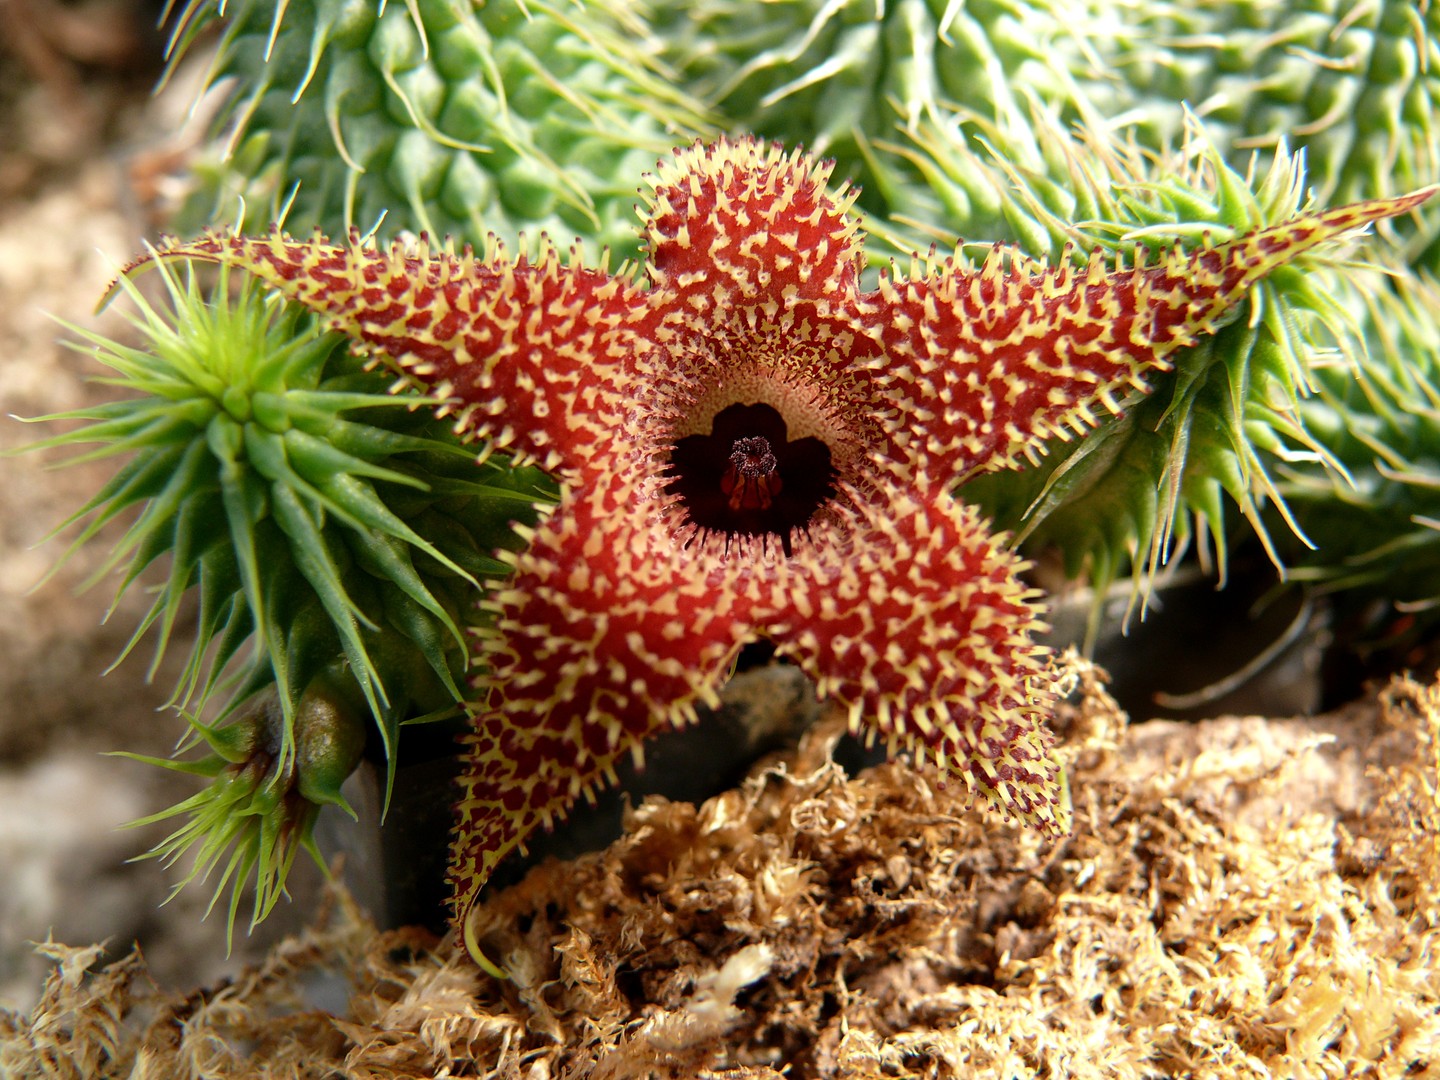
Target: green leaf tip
<point>261,805</point>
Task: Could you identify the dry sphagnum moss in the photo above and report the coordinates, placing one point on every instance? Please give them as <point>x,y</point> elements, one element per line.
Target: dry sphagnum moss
<point>1244,898</point>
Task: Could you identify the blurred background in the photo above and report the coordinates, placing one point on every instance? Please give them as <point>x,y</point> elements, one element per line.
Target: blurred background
<point>87,160</point>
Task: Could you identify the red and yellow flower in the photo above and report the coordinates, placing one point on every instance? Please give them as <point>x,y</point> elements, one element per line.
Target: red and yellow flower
<point>751,444</point>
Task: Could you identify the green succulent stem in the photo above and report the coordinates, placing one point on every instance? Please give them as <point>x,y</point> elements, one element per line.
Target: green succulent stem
<point>438,116</point>
<point>260,808</point>
<point>1375,518</point>
<point>334,535</point>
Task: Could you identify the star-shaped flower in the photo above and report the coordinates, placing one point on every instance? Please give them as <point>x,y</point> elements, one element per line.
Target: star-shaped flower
<point>751,445</point>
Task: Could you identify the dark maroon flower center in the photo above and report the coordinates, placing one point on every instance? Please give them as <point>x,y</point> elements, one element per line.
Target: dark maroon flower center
<point>746,478</point>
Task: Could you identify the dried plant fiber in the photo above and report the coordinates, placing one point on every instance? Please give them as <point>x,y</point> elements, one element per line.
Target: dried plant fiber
<point>1242,898</point>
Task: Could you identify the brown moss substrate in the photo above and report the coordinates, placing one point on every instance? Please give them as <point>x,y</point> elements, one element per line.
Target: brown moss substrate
<point>1242,898</point>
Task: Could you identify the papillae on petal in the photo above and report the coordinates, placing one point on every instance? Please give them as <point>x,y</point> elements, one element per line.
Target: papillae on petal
<point>739,222</point>
<point>609,631</point>
<point>510,345</point>
<point>991,362</point>
<point>922,627</point>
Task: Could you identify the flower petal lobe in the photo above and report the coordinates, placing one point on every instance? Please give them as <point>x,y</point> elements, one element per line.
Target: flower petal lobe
<point>736,223</point>
<point>508,344</point>
<point>1001,358</point>
<point>923,628</point>
<point>597,645</point>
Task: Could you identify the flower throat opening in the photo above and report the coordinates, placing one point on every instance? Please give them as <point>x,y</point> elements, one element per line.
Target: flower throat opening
<point>747,479</point>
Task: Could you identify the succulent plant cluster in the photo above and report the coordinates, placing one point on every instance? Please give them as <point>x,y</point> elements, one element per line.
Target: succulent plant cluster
<point>346,527</point>
<point>912,98</point>
<point>452,118</point>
